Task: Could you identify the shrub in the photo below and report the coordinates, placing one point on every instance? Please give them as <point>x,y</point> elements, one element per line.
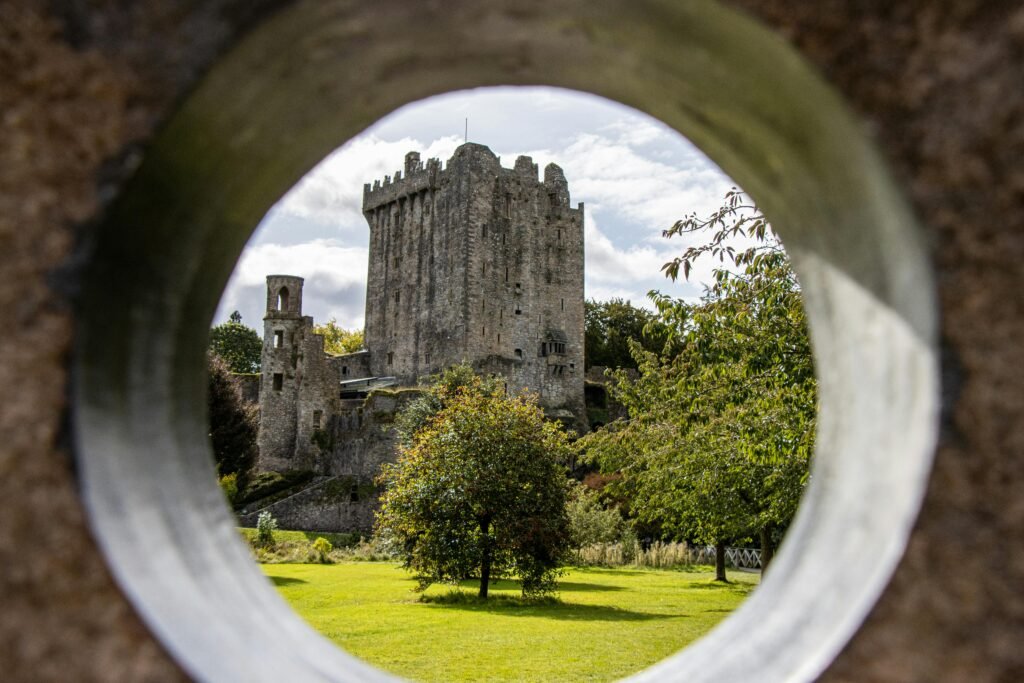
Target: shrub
<point>322,547</point>
<point>589,521</point>
<point>229,485</point>
<point>266,525</point>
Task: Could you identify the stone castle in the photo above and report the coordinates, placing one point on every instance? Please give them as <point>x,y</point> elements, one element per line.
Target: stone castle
<point>470,262</point>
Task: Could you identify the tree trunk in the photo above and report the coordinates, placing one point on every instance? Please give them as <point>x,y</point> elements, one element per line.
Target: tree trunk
<point>485,561</point>
<point>767,552</point>
<point>720,562</point>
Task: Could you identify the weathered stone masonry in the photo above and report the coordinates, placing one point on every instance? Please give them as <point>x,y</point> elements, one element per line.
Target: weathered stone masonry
<point>471,262</point>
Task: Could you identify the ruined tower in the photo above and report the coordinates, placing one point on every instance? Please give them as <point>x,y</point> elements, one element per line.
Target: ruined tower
<point>297,388</point>
<point>480,263</point>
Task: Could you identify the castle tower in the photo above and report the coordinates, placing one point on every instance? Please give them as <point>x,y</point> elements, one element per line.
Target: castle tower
<point>280,372</point>
<point>481,263</point>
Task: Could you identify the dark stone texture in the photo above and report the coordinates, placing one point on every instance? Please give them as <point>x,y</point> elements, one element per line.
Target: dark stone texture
<point>84,84</point>
<point>939,84</point>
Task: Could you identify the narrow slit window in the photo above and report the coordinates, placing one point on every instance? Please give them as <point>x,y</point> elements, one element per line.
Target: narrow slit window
<point>317,416</point>
<point>391,357</point>
<point>278,381</point>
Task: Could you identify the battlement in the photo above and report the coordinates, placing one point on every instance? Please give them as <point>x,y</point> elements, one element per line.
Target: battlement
<point>417,178</point>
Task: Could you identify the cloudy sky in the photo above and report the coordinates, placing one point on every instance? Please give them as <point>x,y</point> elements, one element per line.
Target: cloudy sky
<point>635,176</point>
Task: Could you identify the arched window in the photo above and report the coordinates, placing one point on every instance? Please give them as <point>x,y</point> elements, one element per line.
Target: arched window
<point>282,299</point>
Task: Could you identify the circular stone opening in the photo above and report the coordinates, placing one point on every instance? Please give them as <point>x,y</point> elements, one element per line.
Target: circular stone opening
<point>316,74</point>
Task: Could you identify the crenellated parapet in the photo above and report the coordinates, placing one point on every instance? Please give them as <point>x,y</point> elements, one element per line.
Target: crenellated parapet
<point>416,177</point>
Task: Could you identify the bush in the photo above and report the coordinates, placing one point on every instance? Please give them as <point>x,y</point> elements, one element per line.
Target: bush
<point>229,485</point>
<point>266,525</point>
<point>589,521</point>
<point>322,547</point>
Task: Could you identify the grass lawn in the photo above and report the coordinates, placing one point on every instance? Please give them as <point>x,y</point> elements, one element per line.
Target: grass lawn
<point>607,623</point>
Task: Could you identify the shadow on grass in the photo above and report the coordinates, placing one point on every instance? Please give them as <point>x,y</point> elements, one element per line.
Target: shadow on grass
<point>731,586</point>
<point>285,580</point>
<point>571,586</point>
<point>545,608</point>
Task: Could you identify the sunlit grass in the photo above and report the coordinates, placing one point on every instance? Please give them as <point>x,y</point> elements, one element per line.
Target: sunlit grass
<point>606,623</point>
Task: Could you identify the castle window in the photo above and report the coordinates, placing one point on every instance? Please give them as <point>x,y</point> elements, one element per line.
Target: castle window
<point>553,198</point>
<point>317,415</point>
<point>559,234</point>
<point>278,338</point>
<point>503,238</point>
<point>398,297</point>
<point>508,205</point>
<point>483,230</point>
<point>506,275</point>
<point>391,357</point>
<point>353,495</point>
<point>519,287</point>
<point>547,277</point>
<point>483,331</point>
<point>519,354</point>
<point>344,369</point>
<point>563,304</point>
<point>278,381</point>
<point>426,358</point>
<point>499,337</point>
<point>282,299</point>
<point>518,311</point>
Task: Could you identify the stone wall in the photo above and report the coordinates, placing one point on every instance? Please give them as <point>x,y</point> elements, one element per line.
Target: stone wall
<point>482,263</point>
<point>329,505</point>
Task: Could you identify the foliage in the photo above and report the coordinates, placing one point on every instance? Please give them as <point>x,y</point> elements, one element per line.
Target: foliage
<point>338,340</point>
<point>441,388</point>
<point>609,328</point>
<point>322,547</point>
<point>481,489</point>
<point>339,540</point>
<point>234,424</point>
<point>721,425</point>
<point>229,485</point>
<point>240,346</point>
<point>607,624</point>
<point>266,525</point>
<point>590,521</point>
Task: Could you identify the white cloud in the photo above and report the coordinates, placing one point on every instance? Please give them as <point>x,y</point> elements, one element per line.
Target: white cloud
<point>332,193</point>
<point>636,176</point>
<point>335,280</point>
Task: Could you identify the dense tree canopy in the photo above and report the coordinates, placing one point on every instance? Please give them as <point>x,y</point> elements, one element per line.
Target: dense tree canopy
<point>480,490</point>
<point>338,340</point>
<point>233,423</point>
<point>721,424</point>
<point>237,345</point>
<point>609,328</point>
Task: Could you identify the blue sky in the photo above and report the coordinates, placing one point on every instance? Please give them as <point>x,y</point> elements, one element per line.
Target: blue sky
<point>635,176</point>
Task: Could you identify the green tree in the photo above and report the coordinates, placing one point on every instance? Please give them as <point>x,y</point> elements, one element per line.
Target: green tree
<point>440,389</point>
<point>238,345</point>
<point>609,326</point>
<point>338,340</point>
<point>481,490</point>
<point>721,425</point>
<point>234,424</point>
